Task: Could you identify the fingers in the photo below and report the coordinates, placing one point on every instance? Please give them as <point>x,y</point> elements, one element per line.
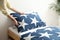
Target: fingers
<point>16,23</point>
<point>22,13</point>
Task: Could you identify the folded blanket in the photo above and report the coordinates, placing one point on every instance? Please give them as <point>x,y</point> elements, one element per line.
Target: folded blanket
<point>41,33</point>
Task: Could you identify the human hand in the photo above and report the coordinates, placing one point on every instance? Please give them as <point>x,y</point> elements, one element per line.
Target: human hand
<point>13,19</point>
<point>22,13</point>
<point>15,22</point>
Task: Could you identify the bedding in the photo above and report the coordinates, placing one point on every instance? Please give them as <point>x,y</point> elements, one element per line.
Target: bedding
<point>31,27</point>
<point>28,21</point>
<point>42,33</point>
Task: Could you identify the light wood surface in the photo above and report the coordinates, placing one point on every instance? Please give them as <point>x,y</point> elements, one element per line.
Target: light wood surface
<point>13,35</point>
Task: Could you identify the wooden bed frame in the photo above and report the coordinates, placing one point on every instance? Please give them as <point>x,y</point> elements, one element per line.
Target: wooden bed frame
<point>13,35</point>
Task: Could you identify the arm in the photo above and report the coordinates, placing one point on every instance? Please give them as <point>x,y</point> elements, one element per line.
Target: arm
<point>13,9</point>
<point>14,20</point>
<point>10,16</point>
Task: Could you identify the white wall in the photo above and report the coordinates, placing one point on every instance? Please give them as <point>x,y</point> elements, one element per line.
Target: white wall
<point>59,20</point>
<point>40,6</point>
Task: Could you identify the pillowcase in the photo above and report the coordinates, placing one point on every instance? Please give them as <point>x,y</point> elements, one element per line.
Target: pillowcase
<point>28,21</point>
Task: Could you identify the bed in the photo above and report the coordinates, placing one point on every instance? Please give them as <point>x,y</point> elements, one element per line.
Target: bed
<point>31,27</point>
<point>45,33</point>
<point>13,34</point>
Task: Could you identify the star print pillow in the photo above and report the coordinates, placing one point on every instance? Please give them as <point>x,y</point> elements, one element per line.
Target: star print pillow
<point>28,21</point>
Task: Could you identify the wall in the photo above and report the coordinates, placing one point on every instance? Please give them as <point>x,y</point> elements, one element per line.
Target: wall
<point>40,6</point>
<point>59,20</point>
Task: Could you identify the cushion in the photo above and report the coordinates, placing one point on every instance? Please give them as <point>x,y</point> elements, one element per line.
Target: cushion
<point>28,21</point>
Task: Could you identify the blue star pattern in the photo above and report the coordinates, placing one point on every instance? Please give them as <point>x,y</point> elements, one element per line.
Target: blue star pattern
<point>28,21</point>
<point>43,33</point>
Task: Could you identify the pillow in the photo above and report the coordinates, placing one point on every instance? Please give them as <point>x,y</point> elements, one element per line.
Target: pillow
<point>28,21</point>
